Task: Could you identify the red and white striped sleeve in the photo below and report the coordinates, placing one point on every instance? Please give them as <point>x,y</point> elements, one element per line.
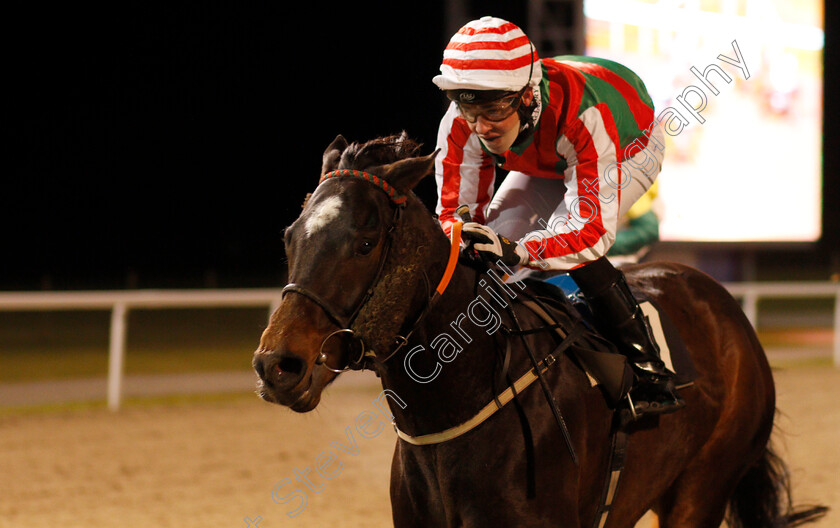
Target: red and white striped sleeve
<point>464,173</point>
<point>591,147</point>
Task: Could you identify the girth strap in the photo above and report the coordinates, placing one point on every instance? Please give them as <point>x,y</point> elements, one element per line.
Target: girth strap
<point>618,453</point>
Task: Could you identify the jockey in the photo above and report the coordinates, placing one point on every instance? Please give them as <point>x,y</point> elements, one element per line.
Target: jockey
<point>579,140</point>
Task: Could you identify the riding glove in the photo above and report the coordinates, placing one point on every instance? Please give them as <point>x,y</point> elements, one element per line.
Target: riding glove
<point>493,247</point>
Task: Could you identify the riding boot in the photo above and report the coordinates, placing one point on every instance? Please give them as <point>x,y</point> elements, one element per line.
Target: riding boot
<point>619,316</point>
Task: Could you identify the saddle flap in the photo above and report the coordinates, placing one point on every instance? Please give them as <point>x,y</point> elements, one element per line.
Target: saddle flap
<point>596,356</point>
<point>673,350</point>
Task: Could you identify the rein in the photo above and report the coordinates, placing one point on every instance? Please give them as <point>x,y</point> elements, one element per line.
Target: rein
<point>536,373</point>
<point>366,357</point>
<point>451,264</point>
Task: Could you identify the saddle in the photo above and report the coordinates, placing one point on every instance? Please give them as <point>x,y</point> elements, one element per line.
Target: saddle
<point>597,356</point>
<point>605,366</point>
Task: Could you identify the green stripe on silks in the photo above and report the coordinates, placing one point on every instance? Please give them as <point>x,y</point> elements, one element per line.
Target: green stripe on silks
<point>629,77</point>
<point>622,71</point>
<point>598,91</point>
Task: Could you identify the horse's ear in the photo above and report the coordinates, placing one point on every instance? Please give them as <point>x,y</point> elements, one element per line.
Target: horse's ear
<point>333,154</point>
<point>406,174</point>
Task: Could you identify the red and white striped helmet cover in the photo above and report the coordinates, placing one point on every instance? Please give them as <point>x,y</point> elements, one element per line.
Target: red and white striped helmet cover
<point>489,54</point>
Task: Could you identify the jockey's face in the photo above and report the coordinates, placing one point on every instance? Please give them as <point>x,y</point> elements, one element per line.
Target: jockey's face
<point>498,136</point>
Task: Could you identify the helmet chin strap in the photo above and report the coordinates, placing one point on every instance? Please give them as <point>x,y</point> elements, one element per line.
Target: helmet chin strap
<point>530,114</point>
<point>528,117</point>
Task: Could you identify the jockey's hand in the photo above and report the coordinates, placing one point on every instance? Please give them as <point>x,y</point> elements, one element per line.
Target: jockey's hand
<point>493,247</point>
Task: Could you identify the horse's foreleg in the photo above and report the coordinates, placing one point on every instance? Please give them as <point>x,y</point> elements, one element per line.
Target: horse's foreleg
<point>414,503</point>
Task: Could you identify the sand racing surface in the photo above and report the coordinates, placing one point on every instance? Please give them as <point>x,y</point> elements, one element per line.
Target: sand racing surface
<point>222,462</point>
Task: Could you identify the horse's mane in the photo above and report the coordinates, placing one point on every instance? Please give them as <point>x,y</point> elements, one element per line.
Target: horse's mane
<point>375,153</point>
<point>380,151</point>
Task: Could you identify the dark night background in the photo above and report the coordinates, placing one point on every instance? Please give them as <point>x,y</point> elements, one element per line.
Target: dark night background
<point>168,146</point>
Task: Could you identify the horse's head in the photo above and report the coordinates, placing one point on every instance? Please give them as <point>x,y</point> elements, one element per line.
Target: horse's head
<point>354,267</point>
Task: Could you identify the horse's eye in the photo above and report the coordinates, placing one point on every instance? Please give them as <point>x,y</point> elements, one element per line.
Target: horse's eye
<point>364,247</point>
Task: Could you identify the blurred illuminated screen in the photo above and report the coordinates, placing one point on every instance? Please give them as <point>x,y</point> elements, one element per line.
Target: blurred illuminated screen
<point>752,170</point>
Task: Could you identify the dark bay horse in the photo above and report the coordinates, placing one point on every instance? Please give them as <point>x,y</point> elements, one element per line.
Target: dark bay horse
<point>369,286</point>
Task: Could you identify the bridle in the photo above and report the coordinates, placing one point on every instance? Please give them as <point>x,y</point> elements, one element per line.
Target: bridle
<point>364,358</point>
<point>367,359</point>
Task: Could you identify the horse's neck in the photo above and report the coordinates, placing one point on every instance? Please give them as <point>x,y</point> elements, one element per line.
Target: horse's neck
<point>444,374</point>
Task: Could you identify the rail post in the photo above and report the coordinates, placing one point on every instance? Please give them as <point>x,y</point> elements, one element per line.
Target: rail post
<point>116,354</point>
<point>837,329</point>
<point>750,306</point>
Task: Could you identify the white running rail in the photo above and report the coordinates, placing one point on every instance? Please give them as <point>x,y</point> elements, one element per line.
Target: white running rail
<point>751,292</point>
<point>121,302</point>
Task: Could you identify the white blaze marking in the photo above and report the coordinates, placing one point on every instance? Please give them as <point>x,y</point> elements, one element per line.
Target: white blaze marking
<point>325,213</point>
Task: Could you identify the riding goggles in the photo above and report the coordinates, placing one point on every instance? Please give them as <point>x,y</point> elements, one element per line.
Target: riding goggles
<point>497,110</point>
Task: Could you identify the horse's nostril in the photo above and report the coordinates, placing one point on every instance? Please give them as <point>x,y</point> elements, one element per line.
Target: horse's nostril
<point>279,369</point>
<point>290,365</point>
<point>259,366</point>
